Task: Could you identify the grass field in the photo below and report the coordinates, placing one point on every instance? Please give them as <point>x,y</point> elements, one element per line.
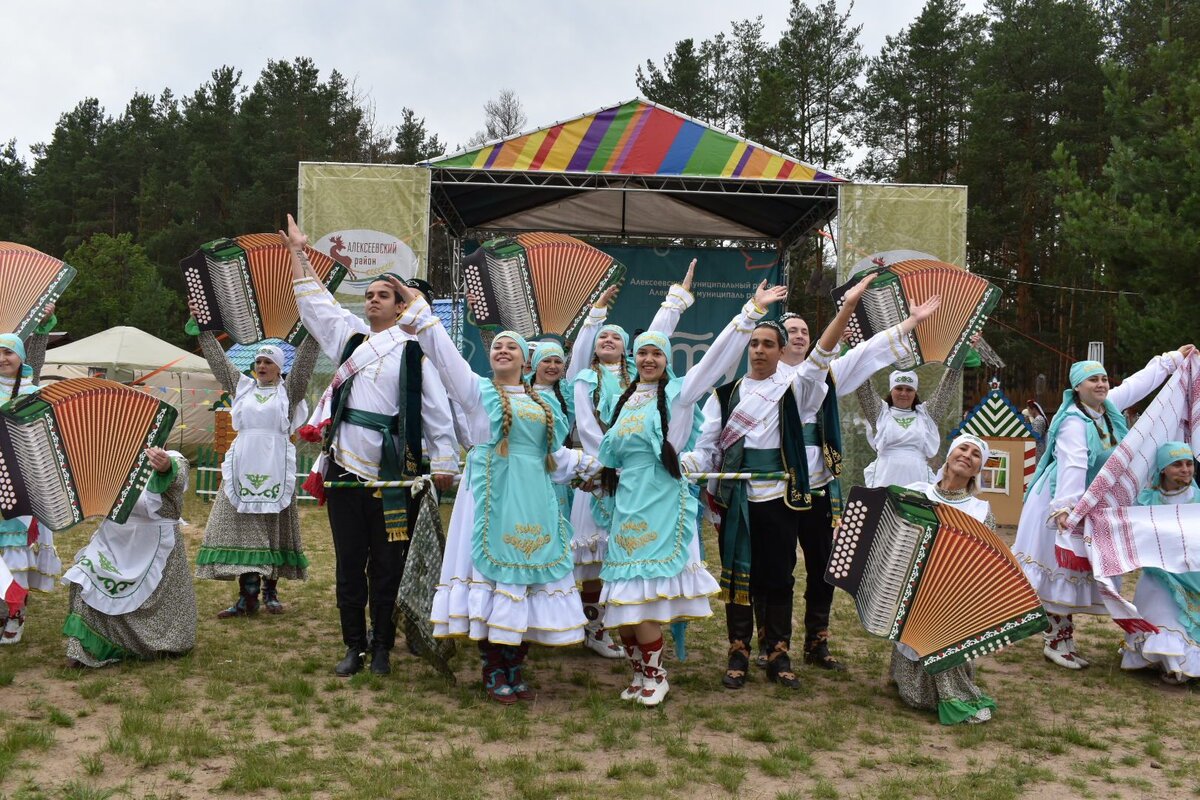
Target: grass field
<point>255,710</point>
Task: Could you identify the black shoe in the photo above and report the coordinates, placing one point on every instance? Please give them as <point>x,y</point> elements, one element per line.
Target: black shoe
<point>739,663</point>
<point>816,653</point>
<point>381,662</point>
<point>779,667</point>
<point>352,664</point>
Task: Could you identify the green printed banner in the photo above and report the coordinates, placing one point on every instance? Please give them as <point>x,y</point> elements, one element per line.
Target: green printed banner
<point>371,218</point>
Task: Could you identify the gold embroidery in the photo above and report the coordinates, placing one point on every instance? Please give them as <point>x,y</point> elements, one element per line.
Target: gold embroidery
<point>528,410</point>
<point>631,424</point>
<point>526,544</point>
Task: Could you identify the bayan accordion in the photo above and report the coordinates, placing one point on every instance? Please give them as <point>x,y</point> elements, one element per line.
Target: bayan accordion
<point>243,286</point>
<point>76,449</point>
<point>929,576</point>
<point>944,336</point>
<point>29,279</point>
<point>537,284</point>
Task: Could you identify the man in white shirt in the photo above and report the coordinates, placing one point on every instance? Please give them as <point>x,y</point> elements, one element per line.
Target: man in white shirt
<point>385,408</point>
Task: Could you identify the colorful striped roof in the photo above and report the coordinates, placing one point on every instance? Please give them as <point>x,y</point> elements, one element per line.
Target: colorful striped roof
<point>995,416</point>
<point>636,138</point>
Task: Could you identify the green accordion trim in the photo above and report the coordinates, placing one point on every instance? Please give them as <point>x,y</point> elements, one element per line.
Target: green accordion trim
<point>251,557</point>
<point>97,646</point>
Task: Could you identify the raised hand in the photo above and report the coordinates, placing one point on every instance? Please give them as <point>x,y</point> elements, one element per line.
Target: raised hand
<point>293,238</point>
<point>687,279</point>
<point>608,296</point>
<point>856,291</point>
<point>158,458</point>
<point>926,309</point>
<point>1187,350</point>
<point>405,292</point>
<point>764,297</point>
<point>50,313</point>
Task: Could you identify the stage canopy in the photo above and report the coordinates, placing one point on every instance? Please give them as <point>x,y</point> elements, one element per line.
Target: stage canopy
<point>634,169</point>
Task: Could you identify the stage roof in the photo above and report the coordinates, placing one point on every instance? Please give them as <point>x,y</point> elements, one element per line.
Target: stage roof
<point>633,169</point>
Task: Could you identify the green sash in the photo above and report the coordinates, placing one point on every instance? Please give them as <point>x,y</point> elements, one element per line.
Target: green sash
<point>735,532</point>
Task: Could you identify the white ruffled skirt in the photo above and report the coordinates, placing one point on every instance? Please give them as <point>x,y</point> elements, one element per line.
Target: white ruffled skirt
<point>1062,591</point>
<point>680,597</point>
<point>589,545</point>
<point>468,605</point>
<point>35,566</point>
<point>1171,649</point>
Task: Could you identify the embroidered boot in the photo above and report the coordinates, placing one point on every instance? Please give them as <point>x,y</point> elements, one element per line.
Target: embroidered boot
<point>816,652</point>
<point>739,623</point>
<point>14,627</point>
<point>270,595</point>
<point>495,678</point>
<point>247,602</point>
<point>1057,642</point>
<point>634,690</point>
<point>779,636</point>
<point>654,675</point>
<point>760,619</point>
<point>514,663</point>
<point>596,636</point>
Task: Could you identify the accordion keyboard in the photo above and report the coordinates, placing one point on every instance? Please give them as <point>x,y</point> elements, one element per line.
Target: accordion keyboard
<point>887,570</point>
<point>38,463</point>
<point>232,291</point>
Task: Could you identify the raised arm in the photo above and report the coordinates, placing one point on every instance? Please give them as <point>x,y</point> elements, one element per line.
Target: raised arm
<point>590,432</point>
<point>453,371</point>
<point>437,422</point>
<point>35,354</point>
<point>222,368</point>
<point>729,345</point>
<point>585,341</point>
<point>706,453</point>
<point>679,299</point>
<point>1148,378</point>
<point>302,369</point>
<point>871,404</point>
<point>939,403</point>
<point>326,321</point>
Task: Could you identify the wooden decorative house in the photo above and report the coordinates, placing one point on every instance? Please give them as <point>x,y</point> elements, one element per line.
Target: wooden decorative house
<point>1013,445</point>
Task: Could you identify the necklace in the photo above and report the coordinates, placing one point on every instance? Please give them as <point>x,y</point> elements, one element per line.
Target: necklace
<point>951,495</point>
<point>1175,493</point>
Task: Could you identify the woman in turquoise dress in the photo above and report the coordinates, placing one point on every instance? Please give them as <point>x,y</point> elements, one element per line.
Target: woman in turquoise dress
<point>507,573</point>
<point>548,368</point>
<point>1168,600</point>
<point>652,570</point>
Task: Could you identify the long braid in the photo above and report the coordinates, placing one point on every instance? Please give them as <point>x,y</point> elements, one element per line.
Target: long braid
<point>505,419</point>
<point>16,386</point>
<point>670,459</point>
<point>596,392</point>
<point>1112,435</point>
<point>562,401</point>
<point>548,412</point>
<point>608,475</point>
<point>621,403</point>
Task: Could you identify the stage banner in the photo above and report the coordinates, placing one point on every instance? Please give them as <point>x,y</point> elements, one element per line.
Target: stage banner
<point>371,218</point>
<point>876,218</point>
<point>724,280</point>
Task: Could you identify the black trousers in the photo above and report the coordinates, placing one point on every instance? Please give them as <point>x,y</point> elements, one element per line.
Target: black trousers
<point>814,530</point>
<point>368,567</point>
<point>772,552</point>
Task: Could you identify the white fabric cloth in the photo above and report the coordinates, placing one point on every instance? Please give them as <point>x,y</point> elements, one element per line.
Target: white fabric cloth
<point>258,474</point>
<point>376,387</point>
<point>904,441</point>
<point>122,564</point>
<point>1062,590</point>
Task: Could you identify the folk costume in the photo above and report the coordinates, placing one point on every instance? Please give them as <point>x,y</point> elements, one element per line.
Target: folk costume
<point>1078,443</point>
<point>595,392</point>
<point>26,546</point>
<point>507,575</point>
<point>253,532</point>
<point>904,439</point>
<point>384,409</point>
<point>564,398</point>
<point>1168,600</point>
<point>754,426</point>
<point>652,569</point>
<point>131,592</point>
<point>833,376</point>
<point>952,693</point>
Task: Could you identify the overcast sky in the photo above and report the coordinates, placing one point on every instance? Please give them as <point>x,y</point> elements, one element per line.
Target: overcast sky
<point>443,58</point>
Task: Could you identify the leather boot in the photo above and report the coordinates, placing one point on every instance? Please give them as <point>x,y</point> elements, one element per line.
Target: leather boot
<point>779,638</point>
<point>654,675</point>
<point>495,678</point>
<point>816,652</point>
<point>629,643</point>
<point>270,595</point>
<point>514,664</point>
<point>739,625</point>
<point>381,661</point>
<point>352,664</point>
<point>1056,642</point>
<point>247,602</point>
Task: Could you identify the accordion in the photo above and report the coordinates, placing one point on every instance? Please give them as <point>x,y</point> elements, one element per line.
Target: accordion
<point>29,279</point>
<point>537,284</point>
<point>76,449</point>
<point>929,576</point>
<point>243,286</point>
<point>944,336</point>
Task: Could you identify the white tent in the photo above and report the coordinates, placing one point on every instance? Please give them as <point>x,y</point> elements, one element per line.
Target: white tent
<point>174,375</point>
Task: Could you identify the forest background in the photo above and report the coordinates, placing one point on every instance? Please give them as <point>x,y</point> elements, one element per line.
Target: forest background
<point>1074,123</point>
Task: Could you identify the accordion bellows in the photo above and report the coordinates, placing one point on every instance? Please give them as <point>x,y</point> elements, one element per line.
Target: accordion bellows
<point>537,284</point>
<point>967,300</point>
<point>243,286</point>
<point>76,449</point>
<point>929,576</point>
<point>29,279</point>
